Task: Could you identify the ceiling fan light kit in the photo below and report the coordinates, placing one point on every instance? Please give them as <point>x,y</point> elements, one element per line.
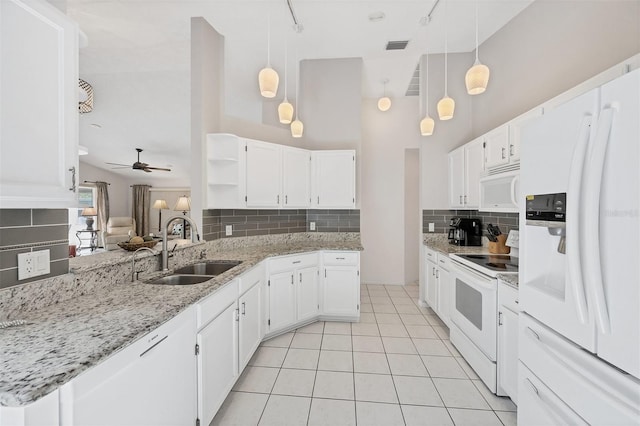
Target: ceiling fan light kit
<point>138,165</point>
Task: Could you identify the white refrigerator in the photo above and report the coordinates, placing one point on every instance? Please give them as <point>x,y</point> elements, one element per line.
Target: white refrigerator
<point>579,331</point>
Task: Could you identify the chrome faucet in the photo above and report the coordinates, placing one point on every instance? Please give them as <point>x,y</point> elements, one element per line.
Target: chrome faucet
<point>194,237</point>
<point>134,273</point>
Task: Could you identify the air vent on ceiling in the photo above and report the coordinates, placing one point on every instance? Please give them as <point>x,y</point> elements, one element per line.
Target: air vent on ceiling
<point>414,84</point>
<point>397,45</point>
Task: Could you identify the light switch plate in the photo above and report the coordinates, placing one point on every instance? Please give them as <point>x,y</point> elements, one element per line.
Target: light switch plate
<point>312,226</point>
<point>228,230</point>
<point>33,264</point>
<point>432,227</point>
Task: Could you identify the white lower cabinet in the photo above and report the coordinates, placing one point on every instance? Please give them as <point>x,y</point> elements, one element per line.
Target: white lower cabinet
<point>307,293</point>
<point>282,300</point>
<point>250,305</point>
<point>438,291</point>
<point>44,411</point>
<point>150,382</point>
<point>341,285</point>
<point>508,341</point>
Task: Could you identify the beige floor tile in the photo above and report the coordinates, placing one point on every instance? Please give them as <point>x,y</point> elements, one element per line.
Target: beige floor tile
<point>384,318</point>
<point>384,309</point>
<point>431,347</point>
<point>462,417</point>
<point>282,341</point>
<point>294,382</point>
<point>375,388</point>
<point>367,344</point>
<point>366,307</point>
<point>306,341</point>
<point>285,410</point>
<point>398,345</point>
<point>413,319</point>
<point>467,368</point>
<point>364,329</point>
<point>393,330</point>
<point>376,414</point>
<point>314,327</point>
<point>268,357</point>
<point>406,365</point>
<point>331,327</point>
<point>333,385</point>
<point>498,403</point>
<point>508,418</point>
<point>415,415</point>
<point>336,342</point>
<point>381,300</point>
<point>442,332</point>
<point>444,366</point>
<point>240,409</point>
<point>408,309</point>
<point>367,317</point>
<point>451,348</point>
<point>417,391</point>
<point>459,393</point>
<point>332,412</point>
<point>422,331</point>
<point>306,359</point>
<point>336,361</point>
<point>257,379</point>
<point>366,362</point>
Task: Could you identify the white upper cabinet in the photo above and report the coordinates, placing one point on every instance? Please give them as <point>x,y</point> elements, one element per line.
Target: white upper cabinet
<point>38,106</point>
<point>225,171</point>
<point>465,169</point>
<point>334,179</point>
<point>296,179</point>
<point>263,174</point>
<point>497,147</point>
<point>515,129</point>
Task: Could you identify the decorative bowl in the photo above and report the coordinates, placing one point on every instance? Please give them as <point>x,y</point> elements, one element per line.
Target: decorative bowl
<point>136,246</point>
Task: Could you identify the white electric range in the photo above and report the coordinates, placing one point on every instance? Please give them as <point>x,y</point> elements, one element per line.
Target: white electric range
<point>474,311</point>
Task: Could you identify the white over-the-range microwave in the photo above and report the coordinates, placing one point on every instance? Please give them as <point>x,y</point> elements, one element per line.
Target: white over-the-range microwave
<point>500,190</point>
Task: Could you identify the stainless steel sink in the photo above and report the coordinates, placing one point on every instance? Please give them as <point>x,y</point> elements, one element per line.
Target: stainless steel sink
<point>212,267</point>
<point>180,279</point>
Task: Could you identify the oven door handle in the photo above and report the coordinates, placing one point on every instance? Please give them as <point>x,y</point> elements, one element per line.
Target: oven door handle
<point>473,278</point>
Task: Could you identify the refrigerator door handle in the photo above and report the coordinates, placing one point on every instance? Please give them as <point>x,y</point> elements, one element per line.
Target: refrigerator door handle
<point>592,261</point>
<point>574,202</point>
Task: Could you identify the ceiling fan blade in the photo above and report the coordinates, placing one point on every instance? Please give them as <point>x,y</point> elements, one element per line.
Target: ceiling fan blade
<point>118,164</point>
<point>159,168</point>
<point>146,169</point>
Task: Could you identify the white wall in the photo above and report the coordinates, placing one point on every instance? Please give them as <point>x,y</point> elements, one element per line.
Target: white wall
<point>386,136</point>
<point>412,215</point>
<point>119,191</point>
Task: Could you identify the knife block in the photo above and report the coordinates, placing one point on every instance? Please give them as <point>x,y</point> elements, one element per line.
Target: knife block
<point>499,246</point>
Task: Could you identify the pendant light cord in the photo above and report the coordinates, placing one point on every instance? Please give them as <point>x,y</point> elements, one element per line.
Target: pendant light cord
<point>427,86</point>
<point>446,44</point>
<point>297,80</point>
<point>269,40</point>
<point>477,31</point>
<point>285,69</point>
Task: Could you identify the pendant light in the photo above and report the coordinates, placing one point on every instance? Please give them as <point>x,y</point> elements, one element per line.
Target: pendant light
<point>268,78</point>
<point>297,128</point>
<point>446,105</point>
<point>384,103</point>
<point>427,123</point>
<point>285,109</point>
<point>477,77</point>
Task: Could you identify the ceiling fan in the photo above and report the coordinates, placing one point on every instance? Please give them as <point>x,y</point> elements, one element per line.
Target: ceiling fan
<point>138,165</point>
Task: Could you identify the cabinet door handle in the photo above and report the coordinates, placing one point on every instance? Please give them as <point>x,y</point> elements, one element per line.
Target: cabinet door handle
<point>318,199</point>
<point>499,318</point>
<point>73,179</point>
<point>291,278</point>
<point>511,150</point>
<point>503,153</point>
<point>244,311</point>
<point>154,345</point>
<point>465,199</point>
<point>517,302</point>
<point>433,271</point>
<point>437,273</point>
<point>278,199</point>
<point>296,261</point>
<point>301,277</point>
<point>286,199</point>
<point>461,199</point>
<point>339,258</point>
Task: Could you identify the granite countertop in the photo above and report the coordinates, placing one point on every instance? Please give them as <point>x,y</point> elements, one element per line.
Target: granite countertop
<point>440,243</point>
<point>510,279</point>
<point>61,341</point>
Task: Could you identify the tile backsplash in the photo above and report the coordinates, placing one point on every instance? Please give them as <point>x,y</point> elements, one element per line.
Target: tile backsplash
<point>441,218</point>
<point>248,223</point>
<point>26,230</point>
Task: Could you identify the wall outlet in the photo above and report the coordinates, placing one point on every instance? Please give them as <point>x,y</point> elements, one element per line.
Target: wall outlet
<point>432,227</point>
<point>312,226</point>
<point>228,230</point>
<point>33,264</point>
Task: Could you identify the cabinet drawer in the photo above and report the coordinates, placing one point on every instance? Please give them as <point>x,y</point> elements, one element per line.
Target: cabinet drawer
<point>444,261</point>
<point>289,263</point>
<point>508,296</point>
<point>431,254</point>
<point>341,258</point>
<point>252,277</point>
<point>216,303</point>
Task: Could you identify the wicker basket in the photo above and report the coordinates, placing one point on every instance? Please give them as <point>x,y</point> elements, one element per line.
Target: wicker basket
<point>136,246</point>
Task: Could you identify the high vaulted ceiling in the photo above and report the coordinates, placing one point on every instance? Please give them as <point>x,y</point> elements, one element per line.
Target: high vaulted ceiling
<point>131,36</point>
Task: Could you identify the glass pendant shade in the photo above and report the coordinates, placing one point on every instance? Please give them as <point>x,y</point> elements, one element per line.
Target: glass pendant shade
<point>268,80</point>
<point>477,78</point>
<point>285,112</point>
<point>297,128</point>
<point>446,106</point>
<point>384,103</point>
<point>426,126</point>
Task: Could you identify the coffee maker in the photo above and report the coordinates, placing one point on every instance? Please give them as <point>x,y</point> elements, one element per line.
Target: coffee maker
<point>465,231</point>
